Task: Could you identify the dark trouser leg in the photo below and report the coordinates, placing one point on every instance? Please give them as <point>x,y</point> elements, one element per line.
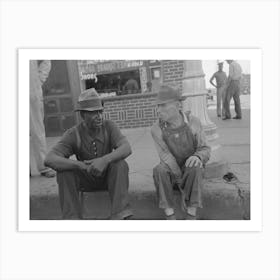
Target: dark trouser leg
<point>227,103</point>
<point>223,94</point>
<point>236,98</point>
<point>192,178</point>
<point>163,181</point>
<point>68,182</point>
<point>117,180</point>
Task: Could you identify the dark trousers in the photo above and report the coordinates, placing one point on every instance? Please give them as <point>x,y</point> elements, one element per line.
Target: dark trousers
<point>233,91</point>
<point>192,184</point>
<point>115,181</point>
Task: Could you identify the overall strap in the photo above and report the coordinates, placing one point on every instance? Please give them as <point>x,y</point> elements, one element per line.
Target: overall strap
<point>105,133</point>
<point>78,138</point>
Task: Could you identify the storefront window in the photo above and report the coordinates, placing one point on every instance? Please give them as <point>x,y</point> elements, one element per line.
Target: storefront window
<point>114,84</point>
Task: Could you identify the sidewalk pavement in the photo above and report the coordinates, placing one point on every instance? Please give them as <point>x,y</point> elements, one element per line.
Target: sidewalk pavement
<point>222,201</point>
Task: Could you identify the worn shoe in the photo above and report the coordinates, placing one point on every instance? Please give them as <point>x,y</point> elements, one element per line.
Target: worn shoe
<point>170,217</point>
<point>123,215</point>
<point>225,118</point>
<point>237,118</point>
<point>49,174</point>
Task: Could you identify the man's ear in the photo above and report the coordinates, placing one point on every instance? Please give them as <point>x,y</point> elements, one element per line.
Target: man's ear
<point>82,115</point>
<point>178,105</point>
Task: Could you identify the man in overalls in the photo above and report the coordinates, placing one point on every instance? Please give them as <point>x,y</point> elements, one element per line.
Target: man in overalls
<point>100,148</point>
<point>183,152</point>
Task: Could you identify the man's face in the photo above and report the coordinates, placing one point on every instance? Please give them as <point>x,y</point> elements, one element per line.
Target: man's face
<point>220,67</point>
<point>93,119</point>
<point>168,111</point>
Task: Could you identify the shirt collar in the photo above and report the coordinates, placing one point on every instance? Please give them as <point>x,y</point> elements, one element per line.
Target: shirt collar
<point>99,136</point>
<point>185,117</point>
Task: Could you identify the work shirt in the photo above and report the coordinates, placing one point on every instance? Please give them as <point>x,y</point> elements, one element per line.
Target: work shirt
<point>201,149</point>
<point>221,78</point>
<point>106,138</point>
<point>235,71</point>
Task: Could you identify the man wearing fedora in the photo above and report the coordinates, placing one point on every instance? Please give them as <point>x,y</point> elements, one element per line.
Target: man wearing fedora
<point>183,152</point>
<point>100,149</point>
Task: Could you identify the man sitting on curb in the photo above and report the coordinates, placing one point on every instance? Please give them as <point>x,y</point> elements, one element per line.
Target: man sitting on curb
<point>100,149</point>
<point>183,151</point>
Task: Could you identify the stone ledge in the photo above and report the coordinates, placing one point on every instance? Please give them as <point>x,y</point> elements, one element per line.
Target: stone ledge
<point>220,203</point>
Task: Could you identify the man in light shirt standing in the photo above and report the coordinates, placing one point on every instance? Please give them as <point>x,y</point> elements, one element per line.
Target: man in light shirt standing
<point>181,145</point>
<point>233,90</point>
<point>221,79</point>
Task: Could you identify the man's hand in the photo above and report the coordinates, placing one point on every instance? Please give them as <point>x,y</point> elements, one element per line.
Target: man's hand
<point>193,161</point>
<point>82,166</point>
<point>96,166</point>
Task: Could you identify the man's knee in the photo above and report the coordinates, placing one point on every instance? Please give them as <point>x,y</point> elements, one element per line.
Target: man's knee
<point>119,165</point>
<point>160,169</point>
<point>66,175</point>
<point>194,170</point>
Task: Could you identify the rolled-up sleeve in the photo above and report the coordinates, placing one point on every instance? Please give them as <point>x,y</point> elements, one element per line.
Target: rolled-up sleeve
<point>44,69</point>
<point>66,145</point>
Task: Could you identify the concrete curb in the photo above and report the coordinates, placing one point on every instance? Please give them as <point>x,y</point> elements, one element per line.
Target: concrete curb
<point>220,202</point>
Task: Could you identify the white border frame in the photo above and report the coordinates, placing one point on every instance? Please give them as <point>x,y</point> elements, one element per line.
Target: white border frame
<point>25,224</point>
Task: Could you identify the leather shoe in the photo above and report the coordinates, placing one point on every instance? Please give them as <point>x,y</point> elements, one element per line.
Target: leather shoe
<point>225,118</point>
<point>170,217</point>
<point>237,118</point>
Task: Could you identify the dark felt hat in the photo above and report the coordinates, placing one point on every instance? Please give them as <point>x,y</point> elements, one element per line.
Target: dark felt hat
<point>89,100</point>
<point>168,94</point>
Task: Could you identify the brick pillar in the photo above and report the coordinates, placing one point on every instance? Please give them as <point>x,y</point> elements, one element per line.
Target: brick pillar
<point>193,85</point>
<point>172,73</point>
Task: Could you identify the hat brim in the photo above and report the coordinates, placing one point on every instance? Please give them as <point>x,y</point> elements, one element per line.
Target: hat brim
<point>90,109</point>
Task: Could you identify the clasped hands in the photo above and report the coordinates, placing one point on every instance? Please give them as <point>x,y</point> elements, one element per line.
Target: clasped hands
<point>96,166</point>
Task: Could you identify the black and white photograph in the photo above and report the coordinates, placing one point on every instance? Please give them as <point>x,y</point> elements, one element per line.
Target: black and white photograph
<point>152,139</point>
<point>139,139</point>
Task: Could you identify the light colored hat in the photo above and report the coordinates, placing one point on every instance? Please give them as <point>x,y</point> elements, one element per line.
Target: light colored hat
<point>89,100</point>
<point>220,61</point>
<point>168,94</point>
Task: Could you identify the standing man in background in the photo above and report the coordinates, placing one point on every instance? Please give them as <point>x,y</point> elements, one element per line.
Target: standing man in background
<point>221,80</point>
<point>39,72</point>
<point>233,90</point>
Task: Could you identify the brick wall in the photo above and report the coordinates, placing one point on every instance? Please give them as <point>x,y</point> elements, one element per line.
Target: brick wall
<point>131,111</point>
<point>138,110</point>
<point>173,73</point>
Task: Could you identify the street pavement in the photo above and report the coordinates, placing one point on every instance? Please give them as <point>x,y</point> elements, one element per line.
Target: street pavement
<point>222,201</point>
